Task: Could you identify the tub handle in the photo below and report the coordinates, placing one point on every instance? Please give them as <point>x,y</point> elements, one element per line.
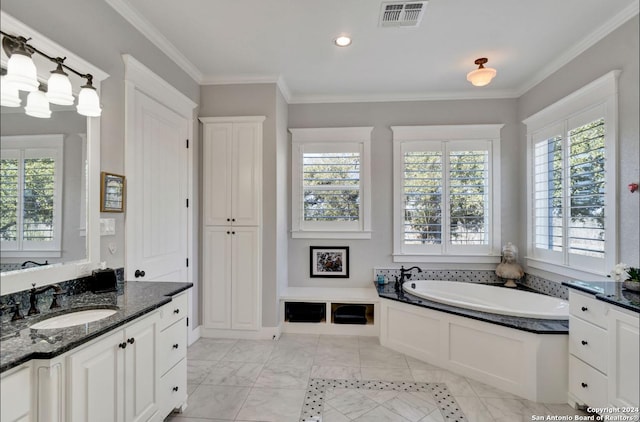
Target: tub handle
<point>584,342</point>
<point>584,309</point>
<point>584,385</point>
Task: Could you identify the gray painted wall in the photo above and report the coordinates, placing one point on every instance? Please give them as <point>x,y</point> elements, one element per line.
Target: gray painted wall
<point>376,252</point>
<point>619,50</point>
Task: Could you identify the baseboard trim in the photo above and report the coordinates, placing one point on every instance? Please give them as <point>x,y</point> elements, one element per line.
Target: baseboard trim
<point>264,333</point>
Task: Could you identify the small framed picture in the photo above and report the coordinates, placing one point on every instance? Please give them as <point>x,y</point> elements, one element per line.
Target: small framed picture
<point>329,261</point>
<point>112,188</point>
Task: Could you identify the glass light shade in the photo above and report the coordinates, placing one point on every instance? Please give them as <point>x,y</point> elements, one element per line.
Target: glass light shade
<point>482,76</point>
<point>22,73</point>
<point>10,94</point>
<point>38,105</point>
<point>88,102</point>
<point>59,89</point>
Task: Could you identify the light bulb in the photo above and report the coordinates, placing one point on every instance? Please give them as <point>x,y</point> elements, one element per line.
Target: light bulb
<point>10,94</point>
<point>59,87</point>
<point>21,72</point>
<point>38,105</point>
<point>88,102</point>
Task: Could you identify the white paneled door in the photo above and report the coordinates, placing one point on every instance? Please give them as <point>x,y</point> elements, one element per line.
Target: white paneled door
<point>157,193</point>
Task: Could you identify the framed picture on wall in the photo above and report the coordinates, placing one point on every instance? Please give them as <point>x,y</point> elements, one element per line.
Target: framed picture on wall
<point>329,261</point>
<point>111,192</point>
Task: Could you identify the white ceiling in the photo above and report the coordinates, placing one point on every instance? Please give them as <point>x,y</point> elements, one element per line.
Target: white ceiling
<point>291,41</point>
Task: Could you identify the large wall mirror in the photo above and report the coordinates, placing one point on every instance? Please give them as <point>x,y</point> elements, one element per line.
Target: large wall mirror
<point>49,229</point>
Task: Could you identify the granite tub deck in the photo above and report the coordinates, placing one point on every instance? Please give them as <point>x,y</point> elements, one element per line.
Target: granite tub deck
<point>532,325</point>
<point>608,291</point>
<point>20,343</point>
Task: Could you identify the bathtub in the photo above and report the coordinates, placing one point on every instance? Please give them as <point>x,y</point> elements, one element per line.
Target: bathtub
<point>491,299</point>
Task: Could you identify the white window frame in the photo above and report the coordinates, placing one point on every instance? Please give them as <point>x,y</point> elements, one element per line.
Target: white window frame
<point>406,138</point>
<point>599,96</point>
<point>32,146</point>
<point>339,139</point>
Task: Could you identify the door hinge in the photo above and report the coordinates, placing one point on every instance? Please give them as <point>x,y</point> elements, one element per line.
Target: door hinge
<point>187,262</point>
<point>187,143</point>
<point>187,202</point>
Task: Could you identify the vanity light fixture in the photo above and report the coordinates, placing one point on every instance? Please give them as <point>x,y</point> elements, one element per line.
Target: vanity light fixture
<point>22,75</point>
<point>482,75</point>
<point>342,41</point>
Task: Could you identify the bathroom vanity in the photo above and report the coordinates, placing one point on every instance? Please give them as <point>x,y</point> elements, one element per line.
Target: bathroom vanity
<point>130,366</point>
<point>604,342</point>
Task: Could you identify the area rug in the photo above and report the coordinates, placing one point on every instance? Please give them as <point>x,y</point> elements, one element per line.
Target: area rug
<point>363,400</point>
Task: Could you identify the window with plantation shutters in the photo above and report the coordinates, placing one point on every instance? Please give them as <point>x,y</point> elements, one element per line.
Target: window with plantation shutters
<point>330,183</point>
<point>572,226</point>
<point>31,171</point>
<point>446,193</point>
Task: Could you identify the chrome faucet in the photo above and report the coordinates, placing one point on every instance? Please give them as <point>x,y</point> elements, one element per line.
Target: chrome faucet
<point>405,274</point>
<point>33,303</point>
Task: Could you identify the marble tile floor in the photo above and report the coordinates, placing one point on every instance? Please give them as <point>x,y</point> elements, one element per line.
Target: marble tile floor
<point>268,381</point>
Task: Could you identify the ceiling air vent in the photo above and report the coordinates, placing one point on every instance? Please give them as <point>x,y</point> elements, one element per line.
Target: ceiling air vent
<point>408,14</point>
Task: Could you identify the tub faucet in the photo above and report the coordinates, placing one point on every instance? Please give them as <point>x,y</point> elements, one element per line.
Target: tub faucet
<point>405,274</point>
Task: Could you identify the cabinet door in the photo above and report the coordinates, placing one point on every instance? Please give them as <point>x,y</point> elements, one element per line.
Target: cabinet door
<point>94,388</point>
<point>216,277</point>
<point>15,396</point>
<point>141,365</point>
<point>245,288</point>
<point>217,171</point>
<point>246,180</point>
<point>624,344</point>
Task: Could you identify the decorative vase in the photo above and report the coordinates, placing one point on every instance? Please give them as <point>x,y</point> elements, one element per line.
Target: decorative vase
<point>631,285</point>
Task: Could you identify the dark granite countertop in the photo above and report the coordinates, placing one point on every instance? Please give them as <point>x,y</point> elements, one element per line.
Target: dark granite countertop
<point>608,291</point>
<point>533,325</point>
<point>19,343</point>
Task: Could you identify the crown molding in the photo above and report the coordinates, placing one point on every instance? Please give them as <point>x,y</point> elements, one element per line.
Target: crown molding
<point>149,31</point>
<point>602,31</point>
<point>477,94</point>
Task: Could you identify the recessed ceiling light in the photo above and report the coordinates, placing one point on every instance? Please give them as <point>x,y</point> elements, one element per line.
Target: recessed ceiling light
<point>342,41</point>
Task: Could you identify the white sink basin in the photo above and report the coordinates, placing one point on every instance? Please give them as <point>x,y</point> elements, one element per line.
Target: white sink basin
<point>73,318</point>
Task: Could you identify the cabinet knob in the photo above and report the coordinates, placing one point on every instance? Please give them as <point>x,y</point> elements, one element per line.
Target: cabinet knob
<point>228,219</point>
<point>233,219</point>
<point>233,232</point>
<point>584,342</point>
<point>175,388</point>
<point>584,384</point>
<point>175,346</point>
<point>176,311</point>
<point>584,309</point>
<point>228,232</point>
<point>131,340</point>
<point>122,345</point>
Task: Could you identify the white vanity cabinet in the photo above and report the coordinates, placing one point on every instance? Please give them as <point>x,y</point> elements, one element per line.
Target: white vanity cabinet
<point>603,353</point>
<point>115,378</point>
<point>172,356</point>
<point>16,395</point>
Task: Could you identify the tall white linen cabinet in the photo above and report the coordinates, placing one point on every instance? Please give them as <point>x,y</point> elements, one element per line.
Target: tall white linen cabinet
<point>232,220</point>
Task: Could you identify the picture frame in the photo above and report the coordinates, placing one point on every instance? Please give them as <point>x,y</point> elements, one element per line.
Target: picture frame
<point>329,261</point>
<point>112,191</point>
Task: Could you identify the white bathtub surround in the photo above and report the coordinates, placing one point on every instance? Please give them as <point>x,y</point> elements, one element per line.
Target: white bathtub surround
<point>529,365</point>
<point>492,299</point>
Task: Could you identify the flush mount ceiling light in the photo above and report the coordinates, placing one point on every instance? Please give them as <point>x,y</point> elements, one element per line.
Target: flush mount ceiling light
<point>22,75</point>
<point>342,41</point>
<point>482,75</point>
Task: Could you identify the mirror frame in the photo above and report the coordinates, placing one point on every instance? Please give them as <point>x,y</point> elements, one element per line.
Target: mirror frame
<point>15,281</point>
